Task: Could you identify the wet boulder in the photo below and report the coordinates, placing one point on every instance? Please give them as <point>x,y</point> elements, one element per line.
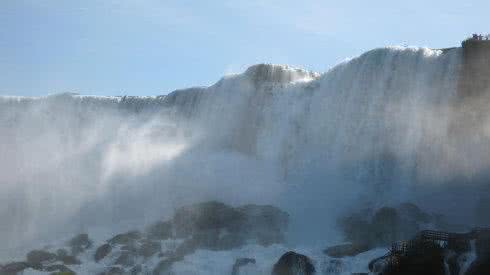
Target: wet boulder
<point>13,268</point>
<point>218,240</point>
<point>149,248</point>
<point>478,267</point>
<point>137,269</point>
<point>130,247</point>
<point>186,248</point>
<point>164,267</point>
<point>482,245</point>
<point>125,238</point>
<point>356,228</point>
<point>79,244</point>
<point>292,263</point>
<point>205,216</point>
<point>385,225</point>
<point>67,259</point>
<point>239,263</point>
<point>216,226</point>
<point>264,223</point>
<point>102,251</point>
<point>333,266</point>
<point>37,258</point>
<point>160,231</point>
<point>412,212</point>
<point>125,259</point>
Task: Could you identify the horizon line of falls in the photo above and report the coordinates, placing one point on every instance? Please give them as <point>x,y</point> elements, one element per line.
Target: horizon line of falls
<point>379,129</point>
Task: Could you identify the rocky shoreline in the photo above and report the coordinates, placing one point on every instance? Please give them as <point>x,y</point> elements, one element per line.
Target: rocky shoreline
<point>214,226</point>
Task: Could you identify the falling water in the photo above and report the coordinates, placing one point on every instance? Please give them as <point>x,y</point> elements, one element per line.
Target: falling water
<point>373,130</point>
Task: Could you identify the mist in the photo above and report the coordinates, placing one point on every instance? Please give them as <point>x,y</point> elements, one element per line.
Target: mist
<point>380,129</point>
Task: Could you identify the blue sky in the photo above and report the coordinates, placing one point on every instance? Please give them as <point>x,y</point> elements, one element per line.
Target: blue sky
<point>150,47</point>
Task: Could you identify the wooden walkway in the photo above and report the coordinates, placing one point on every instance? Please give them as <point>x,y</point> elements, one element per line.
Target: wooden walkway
<point>428,238</point>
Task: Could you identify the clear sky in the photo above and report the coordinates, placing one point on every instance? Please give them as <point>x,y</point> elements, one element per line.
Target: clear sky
<point>150,47</point>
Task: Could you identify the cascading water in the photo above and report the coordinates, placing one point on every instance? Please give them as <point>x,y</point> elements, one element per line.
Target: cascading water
<point>370,131</point>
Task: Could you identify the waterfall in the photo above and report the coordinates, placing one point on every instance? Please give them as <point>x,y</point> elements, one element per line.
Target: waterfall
<point>372,130</point>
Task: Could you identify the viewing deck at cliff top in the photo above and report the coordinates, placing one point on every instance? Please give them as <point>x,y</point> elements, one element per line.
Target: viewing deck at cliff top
<point>477,40</point>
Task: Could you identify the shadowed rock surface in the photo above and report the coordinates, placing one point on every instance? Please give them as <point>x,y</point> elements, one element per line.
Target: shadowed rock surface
<point>102,251</point>
<point>292,263</point>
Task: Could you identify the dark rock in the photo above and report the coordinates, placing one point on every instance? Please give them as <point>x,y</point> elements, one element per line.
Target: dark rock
<point>149,248</point>
<point>412,212</point>
<point>356,228</point>
<point>165,254</point>
<point>160,231</point>
<point>125,238</point>
<point>187,247</point>
<point>13,268</point>
<point>37,258</point>
<point>114,270</point>
<point>136,270</point>
<point>264,223</point>
<point>239,263</point>
<point>69,260</point>
<point>79,243</point>
<point>453,264</point>
<point>482,246</point>
<point>102,251</point>
<point>206,216</point>
<point>343,250</point>
<point>61,253</point>
<point>81,240</point>
<point>384,226</point>
<point>478,267</point>
<point>216,226</point>
<point>63,256</point>
<point>292,263</point>
<point>164,266</point>
<point>125,259</point>
<point>218,240</point>
<point>334,266</point>
<point>130,247</point>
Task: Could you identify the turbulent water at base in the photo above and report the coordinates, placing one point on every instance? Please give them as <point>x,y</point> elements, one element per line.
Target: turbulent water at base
<point>373,130</point>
